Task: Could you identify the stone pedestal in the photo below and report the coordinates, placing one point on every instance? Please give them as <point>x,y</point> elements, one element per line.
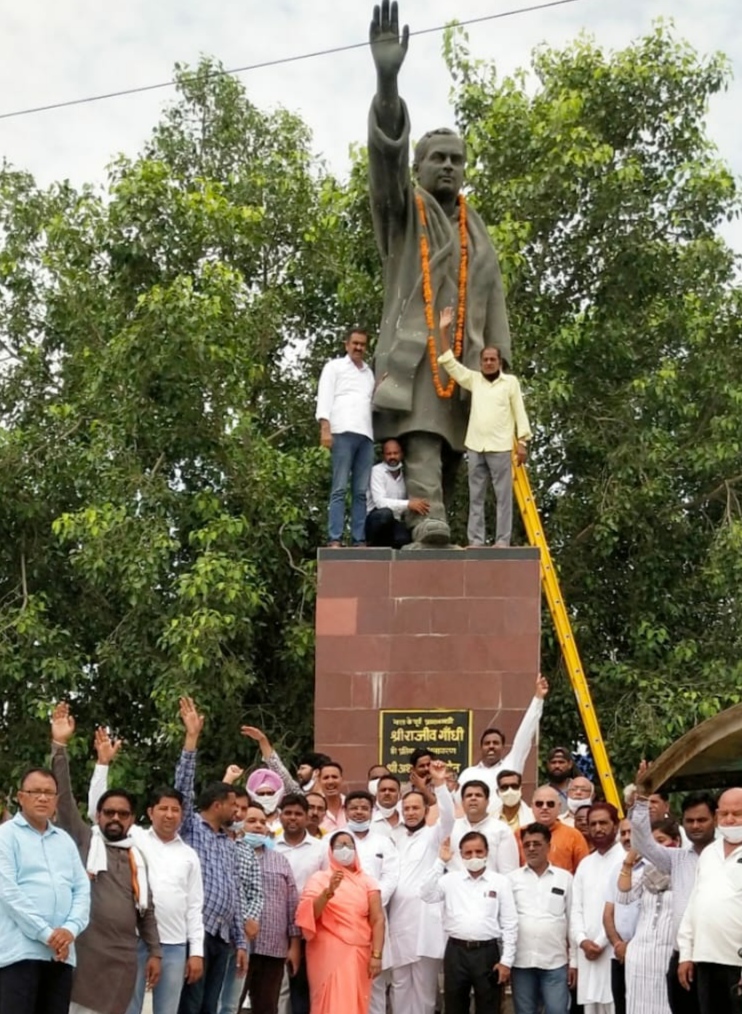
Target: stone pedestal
<point>410,630</point>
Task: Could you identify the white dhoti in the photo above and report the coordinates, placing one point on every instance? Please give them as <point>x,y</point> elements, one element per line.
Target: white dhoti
<point>415,987</point>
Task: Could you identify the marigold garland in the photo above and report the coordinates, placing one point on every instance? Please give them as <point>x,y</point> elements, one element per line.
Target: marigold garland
<point>458,344</point>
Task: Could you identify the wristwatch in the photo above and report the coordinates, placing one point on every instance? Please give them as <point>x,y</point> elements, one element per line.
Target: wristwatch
<point>376,954</point>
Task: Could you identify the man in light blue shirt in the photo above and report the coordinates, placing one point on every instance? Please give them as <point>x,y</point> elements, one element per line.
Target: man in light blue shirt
<point>44,903</point>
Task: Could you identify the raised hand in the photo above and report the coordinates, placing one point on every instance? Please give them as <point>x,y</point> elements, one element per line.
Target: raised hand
<point>387,48</point>
<point>192,721</point>
<point>642,776</point>
<point>446,317</point>
<point>438,772</point>
<point>252,732</point>
<point>105,747</point>
<point>335,881</point>
<point>63,724</point>
<point>445,852</point>
<point>542,686</point>
<point>233,773</point>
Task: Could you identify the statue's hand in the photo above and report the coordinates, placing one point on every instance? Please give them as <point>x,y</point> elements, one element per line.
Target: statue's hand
<point>387,48</point>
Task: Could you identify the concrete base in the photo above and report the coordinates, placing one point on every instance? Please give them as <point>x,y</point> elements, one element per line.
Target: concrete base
<point>437,629</point>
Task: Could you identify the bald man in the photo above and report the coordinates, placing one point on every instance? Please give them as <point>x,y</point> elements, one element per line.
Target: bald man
<point>581,792</point>
<point>568,847</point>
<point>710,933</point>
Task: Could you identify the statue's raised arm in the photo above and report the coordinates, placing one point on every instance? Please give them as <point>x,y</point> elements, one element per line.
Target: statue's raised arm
<point>435,252</point>
<point>389,50</point>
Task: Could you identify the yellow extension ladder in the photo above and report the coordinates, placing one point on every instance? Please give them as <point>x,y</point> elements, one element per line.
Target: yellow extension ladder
<point>557,608</point>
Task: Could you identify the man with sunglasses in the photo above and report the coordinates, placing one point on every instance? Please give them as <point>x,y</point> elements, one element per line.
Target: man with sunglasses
<point>568,847</point>
<point>121,910</point>
<point>44,903</point>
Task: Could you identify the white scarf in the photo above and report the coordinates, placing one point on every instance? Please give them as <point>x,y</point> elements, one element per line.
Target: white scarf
<point>98,863</point>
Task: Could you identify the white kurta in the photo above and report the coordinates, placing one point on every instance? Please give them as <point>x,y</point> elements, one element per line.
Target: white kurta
<point>502,856</point>
<point>516,757</point>
<point>415,929</point>
<point>588,901</point>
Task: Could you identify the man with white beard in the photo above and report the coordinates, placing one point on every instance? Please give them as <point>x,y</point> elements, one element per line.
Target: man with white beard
<point>415,929</point>
<point>591,880</point>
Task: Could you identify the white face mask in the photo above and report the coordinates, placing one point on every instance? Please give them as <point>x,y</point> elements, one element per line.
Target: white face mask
<point>308,786</point>
<point>731,833</point>
<point>270,803</point>
<point>359,825</point>
<point>475,864</point>
<point>573,805</point>
<point>237,825</point>
<point>386,811</point>
<point>344,855</point>
<point>373,786</point>
<point>393,468</point>
<point>510,797</point>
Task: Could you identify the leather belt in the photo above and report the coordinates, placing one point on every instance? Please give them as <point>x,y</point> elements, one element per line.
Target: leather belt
<point>471,945</point>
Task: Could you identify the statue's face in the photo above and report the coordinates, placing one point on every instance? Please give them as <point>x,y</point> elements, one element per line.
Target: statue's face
<point>441,171</point>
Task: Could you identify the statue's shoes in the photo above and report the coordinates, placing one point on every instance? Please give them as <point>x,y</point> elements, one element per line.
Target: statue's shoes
<point>431,532</point>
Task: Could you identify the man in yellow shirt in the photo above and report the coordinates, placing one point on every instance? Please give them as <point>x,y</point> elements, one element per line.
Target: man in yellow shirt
<point>497,416</point>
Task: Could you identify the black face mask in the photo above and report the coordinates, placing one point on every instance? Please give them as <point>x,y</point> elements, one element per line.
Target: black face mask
<point>415,827</point>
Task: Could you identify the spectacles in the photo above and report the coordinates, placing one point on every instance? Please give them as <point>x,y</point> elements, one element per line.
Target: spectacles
<point>547,802</point>
<point>110,812</point>
<point>38,793</point>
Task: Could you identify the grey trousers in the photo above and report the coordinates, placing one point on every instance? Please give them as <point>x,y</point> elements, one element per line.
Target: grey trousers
<point>494,465</point>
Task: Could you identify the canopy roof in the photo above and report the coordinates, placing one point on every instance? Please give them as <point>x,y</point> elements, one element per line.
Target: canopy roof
<point>707,757</point>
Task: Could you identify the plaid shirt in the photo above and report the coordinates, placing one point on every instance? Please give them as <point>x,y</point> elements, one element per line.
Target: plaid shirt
<point>224,914</point>
<point>277,923</point>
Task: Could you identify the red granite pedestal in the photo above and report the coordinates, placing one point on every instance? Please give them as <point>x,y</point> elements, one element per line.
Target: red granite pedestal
<point>414,630</point>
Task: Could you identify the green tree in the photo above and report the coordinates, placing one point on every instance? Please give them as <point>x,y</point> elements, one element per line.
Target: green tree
<point>163,488</point>
<point>606,198</point>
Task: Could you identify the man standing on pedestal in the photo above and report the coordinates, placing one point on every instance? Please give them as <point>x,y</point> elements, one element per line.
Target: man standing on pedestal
<point>344,414</point>
<point>497,416</point>
<point>436,252</point>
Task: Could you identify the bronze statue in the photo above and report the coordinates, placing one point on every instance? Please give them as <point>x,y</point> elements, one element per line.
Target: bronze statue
<point>436,252</point>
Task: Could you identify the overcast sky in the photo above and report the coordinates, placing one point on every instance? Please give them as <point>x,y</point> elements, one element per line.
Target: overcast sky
<point>74,48</point>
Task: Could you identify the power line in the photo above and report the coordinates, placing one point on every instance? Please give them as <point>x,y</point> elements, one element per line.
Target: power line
<point>274,63</point>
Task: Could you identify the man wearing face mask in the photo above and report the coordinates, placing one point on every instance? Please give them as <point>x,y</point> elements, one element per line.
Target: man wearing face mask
<point>307,773</point>
<point>387,501</point>
<point>481,923</point>
<point>121,912</point>
<point>265,788</point>
<point>277,942</point>
<point>502,847</point>
<point>515,812</point>
<point>581,792</point>
<point>711,929</point>
<point>375,772</point>
<point>379,859</point>
<point>492,745</point>
<point>415,931</point>
<point>387,817</point>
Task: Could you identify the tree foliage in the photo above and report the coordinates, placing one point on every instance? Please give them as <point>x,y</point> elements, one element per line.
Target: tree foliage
<point>606,197</point>
<point>161,340</point>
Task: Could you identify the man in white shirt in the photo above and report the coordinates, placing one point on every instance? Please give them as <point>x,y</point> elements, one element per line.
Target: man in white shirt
<point>306,855</point>
<point>346,387</point>
<point>544,970</point>
<point>387,816</point>
<point>492,745</point>
<point>387,501</point>
<point>502,856</point>
<point>174,875</point>
<point>591,880</point>
<point>480,922</point>
<point>710,935</point>
<point>415,932</point>
<point>379,859</point>
<point>496,417</point>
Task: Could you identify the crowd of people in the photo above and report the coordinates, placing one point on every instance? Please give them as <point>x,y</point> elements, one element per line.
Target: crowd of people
<point>439,893</point>
<point>383,513</point>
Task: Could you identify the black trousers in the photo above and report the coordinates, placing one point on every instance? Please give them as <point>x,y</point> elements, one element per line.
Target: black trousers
<point>682,1001</point>
<point>299,986</point>
<point>716,988</point>
<point>202,997</point>
<point>35,987</point>
<point>263,983</point>
<point>383,529</point>
<point>618,985</point>
<point>471,968</point>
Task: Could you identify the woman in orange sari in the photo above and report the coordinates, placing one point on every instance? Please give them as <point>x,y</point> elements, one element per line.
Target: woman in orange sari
<point>341,917</point>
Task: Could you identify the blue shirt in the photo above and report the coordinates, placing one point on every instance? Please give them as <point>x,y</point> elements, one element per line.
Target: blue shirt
<point>224,910</point>
<point>43,887</point>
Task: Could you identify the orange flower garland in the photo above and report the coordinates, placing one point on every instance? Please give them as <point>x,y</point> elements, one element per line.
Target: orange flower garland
<point>458,344</point>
